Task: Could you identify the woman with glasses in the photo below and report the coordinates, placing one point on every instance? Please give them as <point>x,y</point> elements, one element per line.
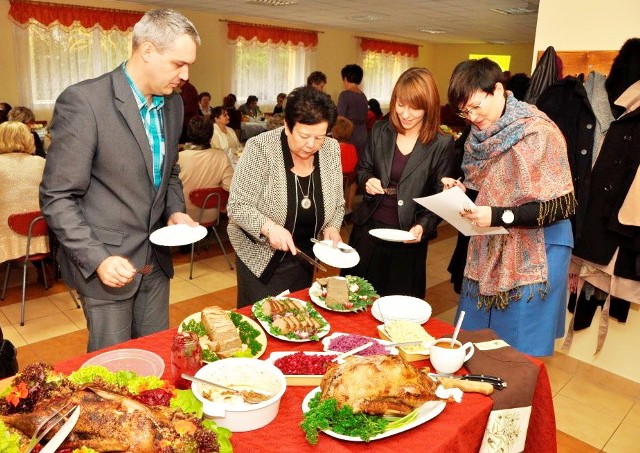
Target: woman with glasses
<point>406,157</point>
<point>287,189</point>
<point>515,158</point>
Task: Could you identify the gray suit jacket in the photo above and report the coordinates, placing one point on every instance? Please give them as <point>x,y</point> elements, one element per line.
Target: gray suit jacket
<point>97,190</point>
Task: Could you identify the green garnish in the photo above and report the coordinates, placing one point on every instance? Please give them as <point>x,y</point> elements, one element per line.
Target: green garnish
<point>360,299</point>
<point>323,415</point>
<point>9,440</point>
<point>194,326</point>
<point>209,356</point>
<point>306,311</point>
<point>124,379</point>
<point>247,332</point>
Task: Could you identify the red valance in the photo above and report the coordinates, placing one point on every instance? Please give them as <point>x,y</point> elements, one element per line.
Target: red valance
<point>266,33</point>
<point>399,48</point>
<point>22,11</point>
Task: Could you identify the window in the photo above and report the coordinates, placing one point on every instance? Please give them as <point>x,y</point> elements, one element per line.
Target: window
<point>504,61</point>
<point>383,62</point>
<point>267,60</point>
<point>55,57</point>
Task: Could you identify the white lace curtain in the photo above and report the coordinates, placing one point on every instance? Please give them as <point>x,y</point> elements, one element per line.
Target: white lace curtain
<point>381,71</point>
<point>50,59</point>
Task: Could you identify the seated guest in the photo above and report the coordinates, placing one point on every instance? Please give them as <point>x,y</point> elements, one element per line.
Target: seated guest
<point>279,108</point>
<point>374,113</point>
<point>204,99</point>
<point>286,190</point>
<point>235,117</point>
<point>201,166</point>
<point>25,115</point>
<point>317,80</point>
<point>224,137</point>
<point>20,176</point>
<point>348,157</point>
<point>250,109</point>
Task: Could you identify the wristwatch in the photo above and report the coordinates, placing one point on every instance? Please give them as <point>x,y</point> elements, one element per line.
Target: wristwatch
<point>508,217</point>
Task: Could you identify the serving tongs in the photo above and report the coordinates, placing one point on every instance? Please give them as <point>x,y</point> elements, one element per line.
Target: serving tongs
<point>497,382</point>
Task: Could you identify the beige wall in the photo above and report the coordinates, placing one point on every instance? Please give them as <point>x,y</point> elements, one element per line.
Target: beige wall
<point>210,72</point>
<point>596,25</point>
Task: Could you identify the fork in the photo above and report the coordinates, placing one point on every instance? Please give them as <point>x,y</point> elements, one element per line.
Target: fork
<point>47,425</point>
<point>145,270</point>
<point>342,249</point>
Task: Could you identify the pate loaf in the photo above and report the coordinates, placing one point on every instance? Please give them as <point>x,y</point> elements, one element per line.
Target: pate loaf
<point>223,335</point>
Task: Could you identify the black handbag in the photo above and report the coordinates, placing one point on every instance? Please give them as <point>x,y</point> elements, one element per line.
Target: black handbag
<point>8,358</point>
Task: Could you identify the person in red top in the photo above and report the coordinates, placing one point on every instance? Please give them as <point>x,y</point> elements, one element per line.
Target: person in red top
<point>341,131</point>
<point>374,114</point>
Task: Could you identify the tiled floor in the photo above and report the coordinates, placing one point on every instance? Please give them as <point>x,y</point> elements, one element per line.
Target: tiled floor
<point>590,416</point>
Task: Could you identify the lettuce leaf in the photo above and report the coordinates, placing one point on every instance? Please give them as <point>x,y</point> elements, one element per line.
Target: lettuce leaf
<point>9,441</point>
<point>124,379</point>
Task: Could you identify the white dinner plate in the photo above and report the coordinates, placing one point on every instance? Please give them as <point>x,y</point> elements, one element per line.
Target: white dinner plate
<point>360,300</point>
<point>426,412</point>
<point>204,341</point>
<point>334,257</point>
<point>179,234</point>
<point>140,361</point>
<point>392,235</point>
<point>402,308</point>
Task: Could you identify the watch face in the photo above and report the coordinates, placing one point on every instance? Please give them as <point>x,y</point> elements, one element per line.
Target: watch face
<point>507,216</point>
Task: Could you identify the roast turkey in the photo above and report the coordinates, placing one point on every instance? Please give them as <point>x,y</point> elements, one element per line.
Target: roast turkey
<point>378,385</point>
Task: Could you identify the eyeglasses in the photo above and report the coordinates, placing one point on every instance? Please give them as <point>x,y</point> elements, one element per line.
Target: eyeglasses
<point>466,113</point>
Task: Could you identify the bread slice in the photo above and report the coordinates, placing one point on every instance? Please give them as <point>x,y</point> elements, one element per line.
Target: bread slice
<point>221,331</point>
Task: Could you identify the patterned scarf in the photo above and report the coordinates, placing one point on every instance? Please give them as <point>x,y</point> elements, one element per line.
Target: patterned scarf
<point>520,158</point>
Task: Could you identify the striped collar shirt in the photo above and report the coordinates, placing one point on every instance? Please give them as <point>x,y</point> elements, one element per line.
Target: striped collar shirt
<point>152,119</point>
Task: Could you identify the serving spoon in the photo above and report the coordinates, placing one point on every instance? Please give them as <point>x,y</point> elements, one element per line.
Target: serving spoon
<point>249,396</point>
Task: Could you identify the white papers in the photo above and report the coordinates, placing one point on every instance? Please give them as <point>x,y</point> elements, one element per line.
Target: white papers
<point>448,204</point>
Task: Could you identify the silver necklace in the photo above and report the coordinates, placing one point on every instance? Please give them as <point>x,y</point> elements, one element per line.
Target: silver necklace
<point>305,202</point>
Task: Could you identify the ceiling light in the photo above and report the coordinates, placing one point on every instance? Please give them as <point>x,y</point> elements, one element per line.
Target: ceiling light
<point>528,8</point>
<point>272,2</point>
<point>432,31</point>
<point>369,18</point>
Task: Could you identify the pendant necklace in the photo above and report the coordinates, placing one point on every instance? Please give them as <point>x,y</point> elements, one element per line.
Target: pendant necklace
<point>305,202</point>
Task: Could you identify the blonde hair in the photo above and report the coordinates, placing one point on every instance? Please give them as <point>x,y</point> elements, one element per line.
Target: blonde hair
<point>15,137</point>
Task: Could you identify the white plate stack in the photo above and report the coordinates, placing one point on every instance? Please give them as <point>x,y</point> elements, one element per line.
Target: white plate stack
<point>401,308</point>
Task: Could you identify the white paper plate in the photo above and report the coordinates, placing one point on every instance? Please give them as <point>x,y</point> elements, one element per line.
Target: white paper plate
<point>179,234</point>
<point>392,235</point>
<point>334,257</point>
<point>140,361</point>
<point>402,308</point>
<point>426,412</point>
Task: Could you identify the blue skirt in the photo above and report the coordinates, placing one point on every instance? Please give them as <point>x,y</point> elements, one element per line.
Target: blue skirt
<point>531,325</point>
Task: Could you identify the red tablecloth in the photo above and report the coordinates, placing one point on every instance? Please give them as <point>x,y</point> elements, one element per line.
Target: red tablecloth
<point>459,428</point>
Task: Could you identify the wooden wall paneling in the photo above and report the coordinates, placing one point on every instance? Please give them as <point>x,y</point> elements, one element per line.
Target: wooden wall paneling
<point>576,62</point>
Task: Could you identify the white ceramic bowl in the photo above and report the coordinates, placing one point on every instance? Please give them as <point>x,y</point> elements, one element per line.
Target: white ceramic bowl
<point>241,373</point>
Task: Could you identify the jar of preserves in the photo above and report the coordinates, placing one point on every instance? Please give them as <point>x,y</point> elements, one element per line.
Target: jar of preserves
<point>186,357</point>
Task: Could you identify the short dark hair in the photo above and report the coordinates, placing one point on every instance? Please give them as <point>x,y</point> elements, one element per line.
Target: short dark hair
<point>217,111</point>
<point>353,73</point>
<point>200,130</point>
<point>316,78</point>
<point>252,98</point>
<point>306,105</point>
<point>204,94</point>
<point>470,76</point>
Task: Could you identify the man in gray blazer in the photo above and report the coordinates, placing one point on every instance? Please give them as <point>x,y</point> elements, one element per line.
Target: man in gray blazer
<point>111,179</point>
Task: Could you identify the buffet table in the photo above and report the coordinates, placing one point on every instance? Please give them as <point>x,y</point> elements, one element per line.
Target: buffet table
<point>459,428</point>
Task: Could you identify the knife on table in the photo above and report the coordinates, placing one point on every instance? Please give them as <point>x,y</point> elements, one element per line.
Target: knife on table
<point>496,382</point>
<point>62,433</point>
<point>310,260</point>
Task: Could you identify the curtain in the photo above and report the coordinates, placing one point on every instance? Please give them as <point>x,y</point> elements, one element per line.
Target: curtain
<point>22,12</point>
<point>382,63</point>
<point>268,60</point>
<point>274,35</point>
<point>59,52</point>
